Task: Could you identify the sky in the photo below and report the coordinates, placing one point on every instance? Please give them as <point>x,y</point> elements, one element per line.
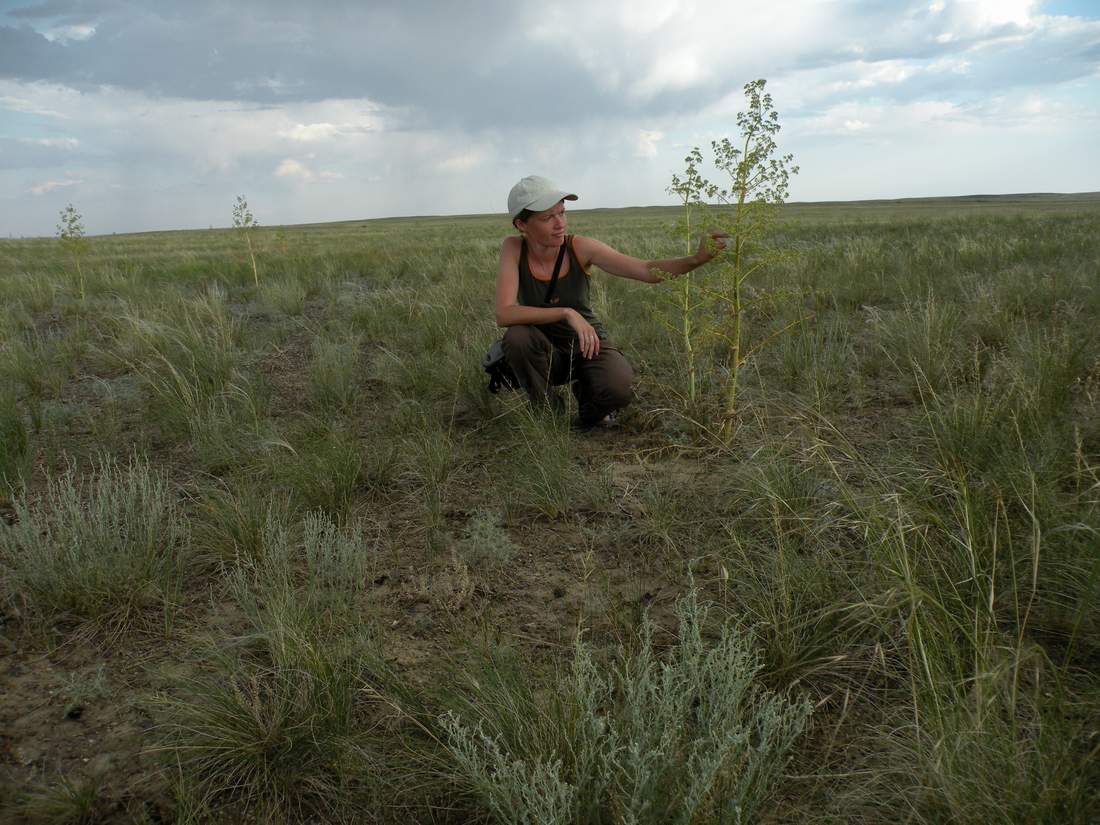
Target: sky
<point>156,115</point>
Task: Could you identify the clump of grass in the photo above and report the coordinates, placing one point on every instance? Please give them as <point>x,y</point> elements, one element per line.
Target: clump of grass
<point>186,359</point>
<point>430,462</point>
<point>1045,366</point>
<point>485,543</point>
<point>14,445</point>
<point>79,690</point>
<point>690,739</point>
<point>541,471</point>
<point>814,358</point>
<point>965,548</point>
<point>924,339</point>
<point>34,292</point>
<point>321,471</point>
<point>668,519</point>
<point>319,565</point>
<point>229,427</point>
<point>71,799</point>
<point>106,548</point>
<point>286,723</point>
<point>283,294</point>
<point>275,736</point>
<point>333,372</point>
<point>40,365</point>
<point>1006,759</point>
<point>233,521</point>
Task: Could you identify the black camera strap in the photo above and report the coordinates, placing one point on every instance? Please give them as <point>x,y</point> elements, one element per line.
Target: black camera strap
<point>557,271</point>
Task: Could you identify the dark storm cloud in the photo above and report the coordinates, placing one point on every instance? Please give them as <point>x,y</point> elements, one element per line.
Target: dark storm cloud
<point>471,65</point>
<point>442,60</point>
<point>485,64</point>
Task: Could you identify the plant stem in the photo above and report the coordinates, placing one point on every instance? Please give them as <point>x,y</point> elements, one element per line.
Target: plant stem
<point>741,185</point>
<point>685,297</point>
<point>80,275</point>
<point>252,256</point>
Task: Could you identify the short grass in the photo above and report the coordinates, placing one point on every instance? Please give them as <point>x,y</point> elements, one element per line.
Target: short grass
<point>311,570</point>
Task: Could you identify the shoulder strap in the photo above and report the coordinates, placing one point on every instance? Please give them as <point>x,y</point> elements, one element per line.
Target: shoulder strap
<point>557,271</point>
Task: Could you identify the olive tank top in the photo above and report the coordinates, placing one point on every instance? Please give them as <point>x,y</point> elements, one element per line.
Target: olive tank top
<point>571,291</point>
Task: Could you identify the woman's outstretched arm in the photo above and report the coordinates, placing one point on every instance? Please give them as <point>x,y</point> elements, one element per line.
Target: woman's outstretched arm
<point>613,262</point>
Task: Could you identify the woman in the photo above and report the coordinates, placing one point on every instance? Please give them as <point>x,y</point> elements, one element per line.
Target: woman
<point>558,341</point>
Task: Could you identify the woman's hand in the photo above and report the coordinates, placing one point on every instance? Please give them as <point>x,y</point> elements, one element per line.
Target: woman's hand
<point>711,243</point>
<point>586,334</point>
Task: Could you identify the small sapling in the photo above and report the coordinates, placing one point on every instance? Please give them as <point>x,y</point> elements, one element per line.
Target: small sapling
<point>244,222</point>
<point>70,231</point>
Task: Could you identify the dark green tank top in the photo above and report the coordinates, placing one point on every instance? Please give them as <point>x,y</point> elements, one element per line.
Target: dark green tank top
<point>572,292</point>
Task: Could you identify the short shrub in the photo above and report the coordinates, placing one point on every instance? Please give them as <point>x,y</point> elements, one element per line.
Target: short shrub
<point>694,738</point>
<point>485,543</point>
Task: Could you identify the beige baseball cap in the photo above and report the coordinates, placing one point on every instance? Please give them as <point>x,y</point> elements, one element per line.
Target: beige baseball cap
<point>535,193</point>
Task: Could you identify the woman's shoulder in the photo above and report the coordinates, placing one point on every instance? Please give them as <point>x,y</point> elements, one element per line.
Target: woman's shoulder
<point>582,248</point>
<point>581,242</point>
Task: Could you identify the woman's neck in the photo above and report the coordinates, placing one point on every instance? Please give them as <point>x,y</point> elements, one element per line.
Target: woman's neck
<point>542,251</point>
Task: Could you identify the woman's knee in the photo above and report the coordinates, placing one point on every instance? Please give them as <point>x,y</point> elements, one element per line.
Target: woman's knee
<point>614,388</point>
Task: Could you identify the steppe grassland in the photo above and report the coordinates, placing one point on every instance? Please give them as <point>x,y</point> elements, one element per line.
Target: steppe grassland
<point>276,549</point>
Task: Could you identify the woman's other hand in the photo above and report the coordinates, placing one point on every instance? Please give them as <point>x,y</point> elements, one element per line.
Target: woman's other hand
<point>586,334</point>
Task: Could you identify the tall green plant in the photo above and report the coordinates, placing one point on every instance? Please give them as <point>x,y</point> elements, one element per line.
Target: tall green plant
<point>70,231</point>
<point>758,183</point>
<point>244,222</point>
<point>690,189</point>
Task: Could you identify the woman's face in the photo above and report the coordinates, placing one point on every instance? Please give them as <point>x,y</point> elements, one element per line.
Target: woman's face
<point>547,227</point>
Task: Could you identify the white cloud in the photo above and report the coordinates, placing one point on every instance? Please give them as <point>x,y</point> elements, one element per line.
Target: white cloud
<point>982,14</point>
<point>461,161</point>
<point>52,143</point>
<point>317,132</point>
<point>50,185</point>
<point>296,170</point>
<point>64,34</point>
<point>646,145</point>
<point>204,136</point>
<point>290,168</point>
<point>670,72</point>
<point>24,106</point>
<point>884,120</point>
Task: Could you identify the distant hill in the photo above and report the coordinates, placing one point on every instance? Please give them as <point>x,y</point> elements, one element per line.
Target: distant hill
<point>1022,197</point>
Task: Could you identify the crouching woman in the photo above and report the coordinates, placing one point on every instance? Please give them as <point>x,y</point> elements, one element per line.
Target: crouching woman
<point>552,336</point>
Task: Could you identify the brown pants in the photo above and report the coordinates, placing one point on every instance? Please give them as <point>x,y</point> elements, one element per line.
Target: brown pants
<point>601,385</point>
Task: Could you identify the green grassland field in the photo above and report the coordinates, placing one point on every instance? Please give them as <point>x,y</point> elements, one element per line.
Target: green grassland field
<point>272,553</point>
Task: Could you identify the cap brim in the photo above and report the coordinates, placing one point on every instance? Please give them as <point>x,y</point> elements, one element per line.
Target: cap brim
<point>551,200</point>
